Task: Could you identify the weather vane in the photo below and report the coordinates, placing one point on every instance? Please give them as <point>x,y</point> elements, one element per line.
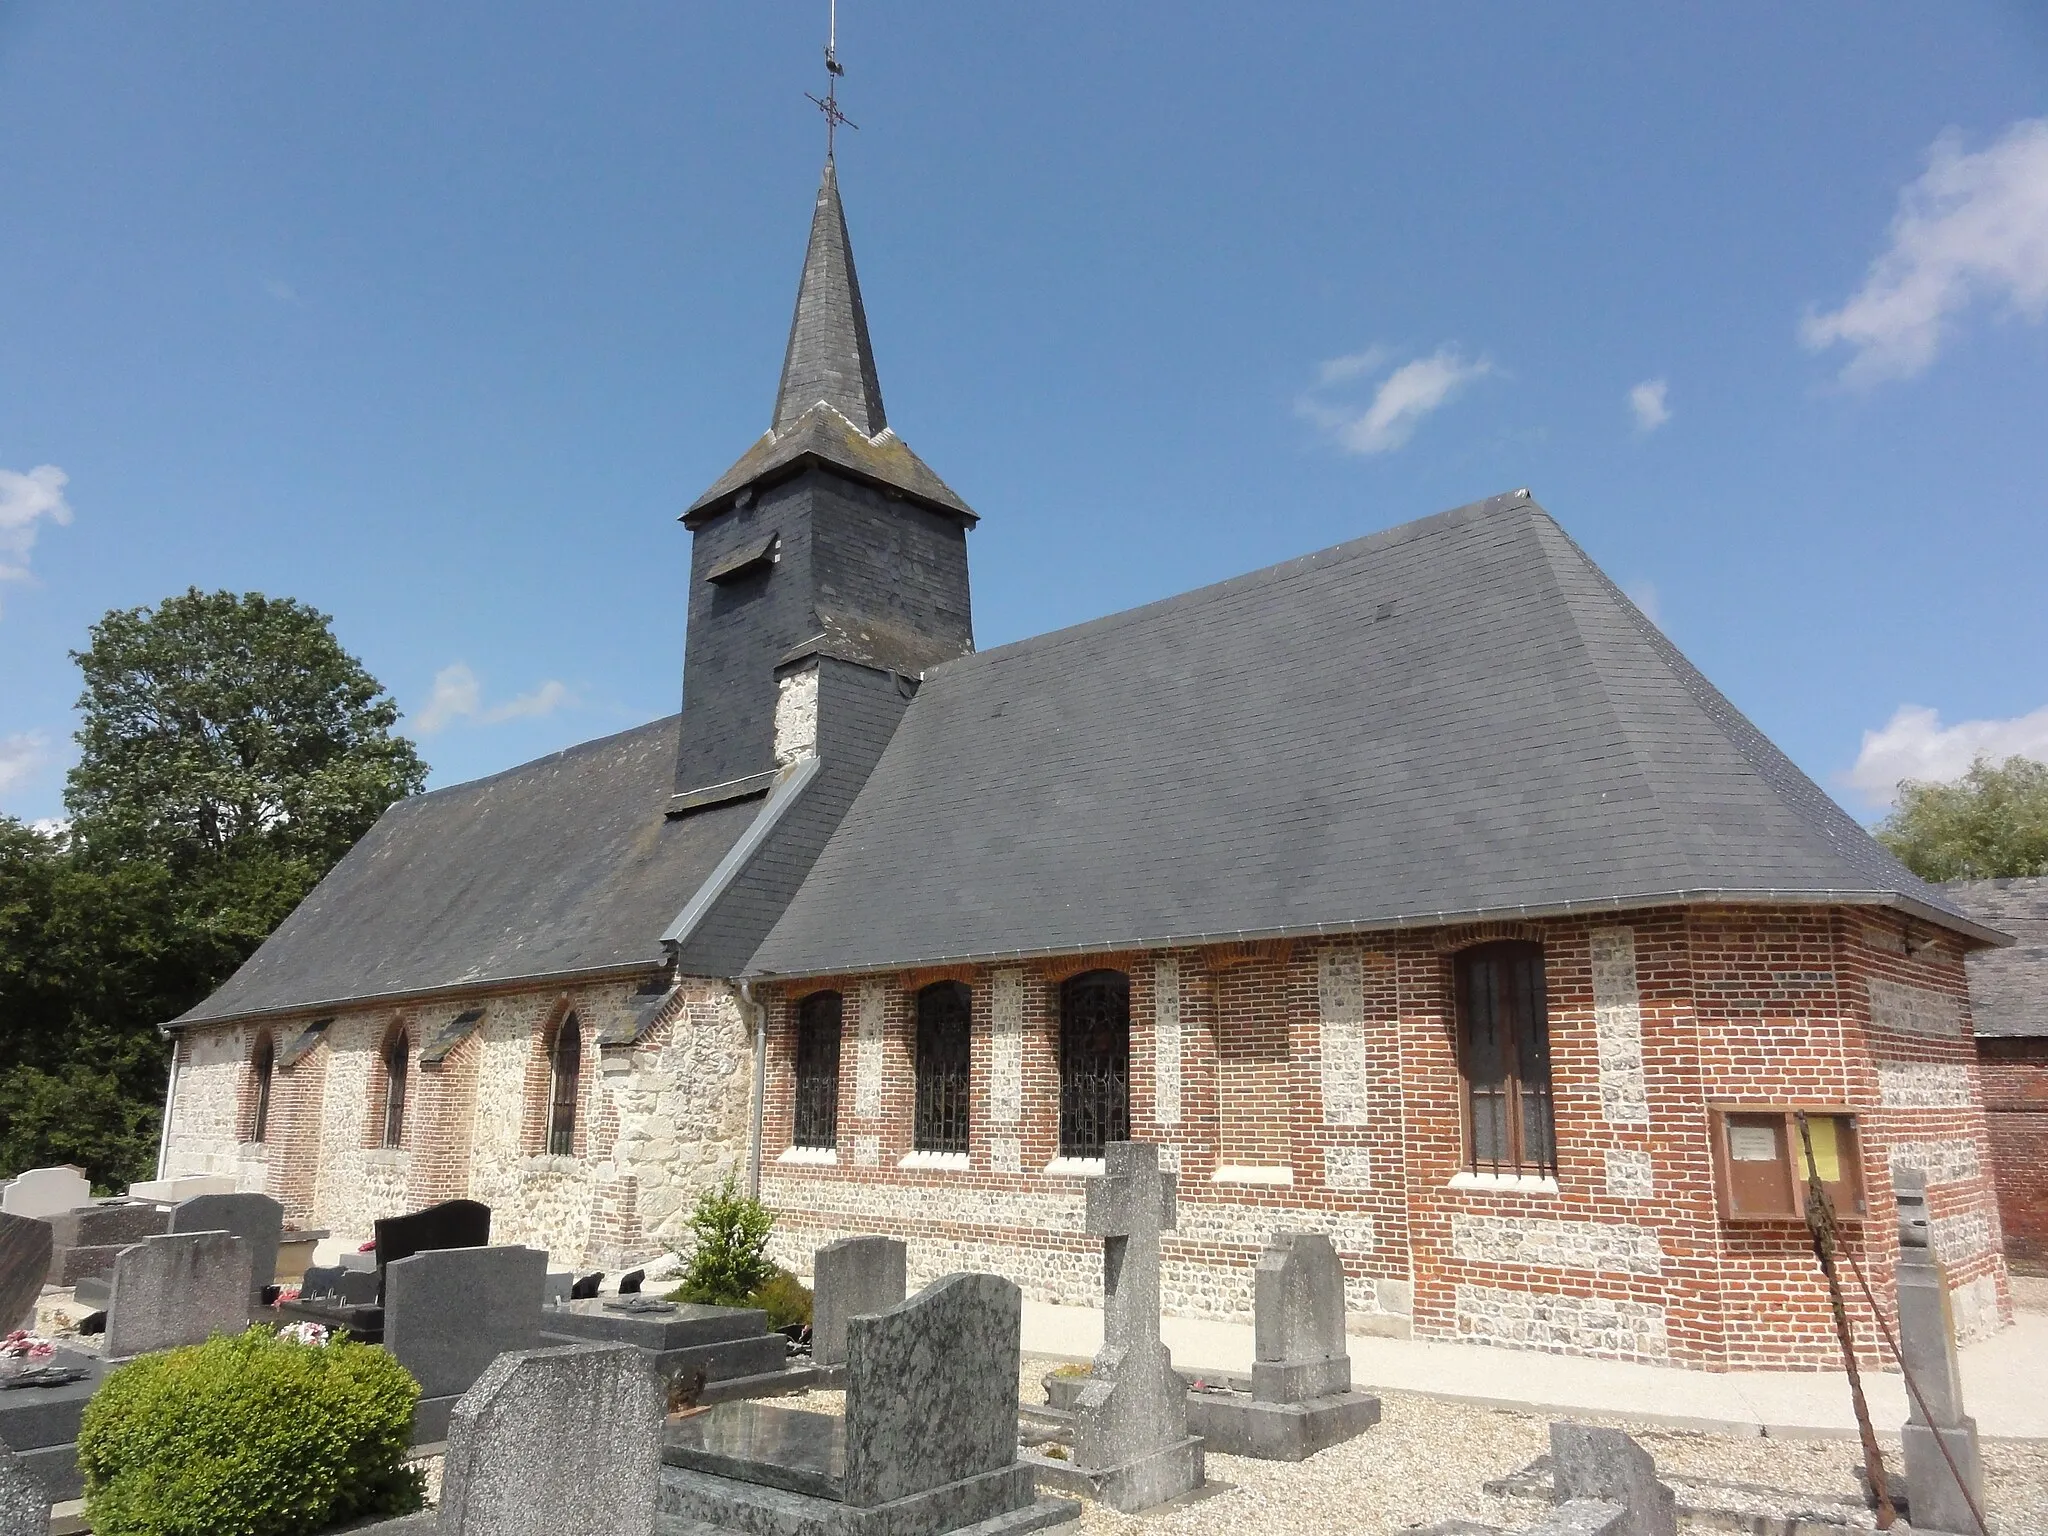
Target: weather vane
<point>829,103</point>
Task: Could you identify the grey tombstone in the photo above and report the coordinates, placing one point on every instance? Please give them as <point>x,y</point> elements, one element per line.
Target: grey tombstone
<point>851,1278</point>
<point>1301,1400</point>
<point>1132,1448</point>
<point>177,1289</point>
<point>45,1192</point>
<point>86,1240</point>
<point>320,1280</point>
<point>1927,1349</point>
<point>257,1219</point>
<point>25,1246</point>
<point>449,1312</point>
<point>24,1501</point>
<point>554,1442</point>
<point>1594,1465</point>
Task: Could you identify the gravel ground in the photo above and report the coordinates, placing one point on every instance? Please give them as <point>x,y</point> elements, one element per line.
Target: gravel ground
<point>1428,1460</point>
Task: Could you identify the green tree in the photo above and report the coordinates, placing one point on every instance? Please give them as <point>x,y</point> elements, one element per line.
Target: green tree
<point>1991,823</point>
<point>232,751</point>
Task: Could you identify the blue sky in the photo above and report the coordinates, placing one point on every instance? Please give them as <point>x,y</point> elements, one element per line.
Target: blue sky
<point>436,317</point>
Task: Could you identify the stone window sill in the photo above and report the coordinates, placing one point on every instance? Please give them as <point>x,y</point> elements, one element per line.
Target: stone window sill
<point>823,1157</point>
<point>1505,1183</point>
<point>954,1161</point>
<point>249,1149</point>
<point>387,1157</point>
<point>1240,1173</point>
<point>548,1163</point>
<point>1077,1167</point>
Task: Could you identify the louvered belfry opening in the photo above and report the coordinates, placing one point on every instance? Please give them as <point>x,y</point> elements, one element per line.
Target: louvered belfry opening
<point>1095,1062</point>
<point>817,1071</point>
<point>565,1071</point>
<point>1504,1050</point>
<point>943,1011</point>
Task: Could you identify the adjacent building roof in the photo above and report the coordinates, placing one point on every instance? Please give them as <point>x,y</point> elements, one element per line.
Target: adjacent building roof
<point>562,867</point>
<point>1455,718</point>
<point>2008,987</point>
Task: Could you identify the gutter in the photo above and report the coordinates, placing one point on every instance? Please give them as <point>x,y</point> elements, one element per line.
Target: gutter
<point>758,1013</point>
<point>163,1142</point>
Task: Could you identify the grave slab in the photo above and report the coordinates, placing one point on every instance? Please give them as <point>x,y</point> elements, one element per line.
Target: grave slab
<point>40,1423</point>
<point>725,1343</point>
<point>44,1192</point>
<point>25,1246</point>
<point>24,1502</point>
<point>185,1187</point>
<point>256,1219</point>
<point>178,1289</point>
<point>850,1277</point>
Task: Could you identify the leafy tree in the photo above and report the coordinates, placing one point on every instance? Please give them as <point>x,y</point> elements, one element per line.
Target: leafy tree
<point>1991,823</point>
<point>232,751</point>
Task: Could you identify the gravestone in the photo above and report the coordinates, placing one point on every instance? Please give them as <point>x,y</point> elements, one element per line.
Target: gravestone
<point>186,1186</point>
<point>928,1442</point>
<point>556,1290</point>
<point>729,1349</point>
<point>24,1502</point>
<point>256,1219</point>
<point>25,1246</point>
<point>85,1241</point>
<point>320,1280</point>
<point>555,1442</point>
<point>449,1312</point>
<point>1132,1448</point>
<point>1927,1347</point>
<point>44,1192</point>
<point>177,1289</point>
<point>1301,1400</point>
<point>450,1224</point>
<point>1592,1465</point>
<point>851,1278</point>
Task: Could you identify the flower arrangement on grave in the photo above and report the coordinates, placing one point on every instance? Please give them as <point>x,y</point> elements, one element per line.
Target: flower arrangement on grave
<point>254,1434</point>
<point>305,1332</point>
<point>24,1351</point>
<point>728,1265</point>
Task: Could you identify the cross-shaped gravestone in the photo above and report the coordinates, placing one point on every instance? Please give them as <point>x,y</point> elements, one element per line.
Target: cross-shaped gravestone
<point>1131,1420</point>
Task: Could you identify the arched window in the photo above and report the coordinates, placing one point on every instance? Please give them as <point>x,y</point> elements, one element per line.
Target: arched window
<point>395,1060</point>
<point>942,1060</point>
<point>565,1071</point>
<point>817,1071</point>
<point>1504,1055</point>
<point>260,1066</point>
<point>1095,1062</point>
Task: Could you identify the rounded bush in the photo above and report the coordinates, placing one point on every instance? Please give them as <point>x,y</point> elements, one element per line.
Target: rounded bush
<point>249,1435</point>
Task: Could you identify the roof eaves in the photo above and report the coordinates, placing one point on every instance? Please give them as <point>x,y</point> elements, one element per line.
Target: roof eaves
<point>491,986</point>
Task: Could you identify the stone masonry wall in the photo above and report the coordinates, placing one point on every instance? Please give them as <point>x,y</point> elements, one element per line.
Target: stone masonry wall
<point>656,1122</point>
<point>1316,1085</point>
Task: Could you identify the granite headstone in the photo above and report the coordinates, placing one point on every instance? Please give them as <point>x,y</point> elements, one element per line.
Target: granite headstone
<point>1298,1349</point>
<point>850,1278</point>
<point>257,1219</point>
<point>556,1442</point>
<point>1594,1464</point>
<point>177,1289</point>
<point>450,1224</point>
<point>44,1192</point>
<point>85,1241</point>
<point>449,1312</point>
<point>24,1502</point>
<point>25,1243</point>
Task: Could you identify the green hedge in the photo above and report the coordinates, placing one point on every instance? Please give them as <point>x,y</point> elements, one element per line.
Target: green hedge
<point>252,1435</point>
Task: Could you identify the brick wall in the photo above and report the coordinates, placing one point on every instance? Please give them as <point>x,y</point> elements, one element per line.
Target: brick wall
<point>2014,1072</point>
<point>1316,1085</point>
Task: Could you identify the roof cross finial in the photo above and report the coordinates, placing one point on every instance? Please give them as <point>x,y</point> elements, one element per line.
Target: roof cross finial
<point>829,103</point>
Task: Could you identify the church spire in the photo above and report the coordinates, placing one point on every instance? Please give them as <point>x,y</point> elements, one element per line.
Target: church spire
<point>830,358</point>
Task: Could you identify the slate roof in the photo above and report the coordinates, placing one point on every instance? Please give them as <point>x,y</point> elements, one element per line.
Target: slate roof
<point>562,867</point>
<point>2008,987</point>
<point>1454,718</point>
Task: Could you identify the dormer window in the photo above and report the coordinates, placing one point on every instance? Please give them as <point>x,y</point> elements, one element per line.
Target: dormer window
<point>750,559</point>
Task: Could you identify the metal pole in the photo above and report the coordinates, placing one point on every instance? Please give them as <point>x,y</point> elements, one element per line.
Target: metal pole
<point>1820,1222</point>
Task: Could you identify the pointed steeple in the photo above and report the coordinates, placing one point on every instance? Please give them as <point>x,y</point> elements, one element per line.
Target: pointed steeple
<point>830,358</point>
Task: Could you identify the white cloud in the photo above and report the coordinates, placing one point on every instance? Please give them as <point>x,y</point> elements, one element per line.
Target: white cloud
<point>1914,744</point>
<point>458,695</point>
<point>1645,596</point>
<point>1397,407</point>
<point>25,500</point>
<point>1972,225</point>
<point>1648,404</point>
<point>20,756</point>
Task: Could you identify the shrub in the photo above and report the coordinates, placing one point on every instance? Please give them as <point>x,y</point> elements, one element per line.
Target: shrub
<point>248,1435</point>
<point>786,1300</point>
<point>730,1260</point>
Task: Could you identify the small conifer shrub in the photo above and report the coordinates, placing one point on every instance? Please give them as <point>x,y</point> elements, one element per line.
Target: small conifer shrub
<point>729,1261</point>
<point>249,1435</point>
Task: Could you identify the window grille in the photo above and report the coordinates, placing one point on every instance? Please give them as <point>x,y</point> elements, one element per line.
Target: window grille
<point>1504,1049</point>
<point>817,1071</point>
<point>394,1091</point>
<point>942,1062</point>
<point>1095,1062</point>
<point>565,1068</point>
<point>265,1058</point>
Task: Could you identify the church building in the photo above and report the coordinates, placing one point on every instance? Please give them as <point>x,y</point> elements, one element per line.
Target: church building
<point>1417,891</point>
